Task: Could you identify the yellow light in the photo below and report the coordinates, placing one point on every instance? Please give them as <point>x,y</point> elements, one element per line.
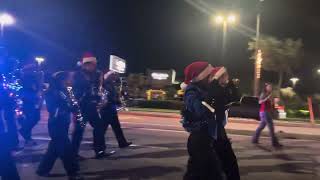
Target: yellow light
<point>294,80</point>
<point>232,19</point>
<point>219,19</point>
<point>258,64</point>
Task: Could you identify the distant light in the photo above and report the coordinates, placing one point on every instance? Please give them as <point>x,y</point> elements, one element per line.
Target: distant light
<point>232,19</point>
<point>259,64</point>
<point>219,19</point>
<point>318,71</point>
<point>40,60</point>
<point>6,19</point>
<point>160,76</point>
<point>294,80</point>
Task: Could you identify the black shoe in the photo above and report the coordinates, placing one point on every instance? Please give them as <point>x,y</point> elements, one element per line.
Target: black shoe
<point>76,177</point>
<point>125,145</point>
<point>277,145</point>
<point>103,154</point>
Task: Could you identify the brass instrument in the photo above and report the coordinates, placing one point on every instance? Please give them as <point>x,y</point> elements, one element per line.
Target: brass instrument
<point>75,104</point>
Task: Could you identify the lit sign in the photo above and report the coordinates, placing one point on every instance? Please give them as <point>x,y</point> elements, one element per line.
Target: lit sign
<point>117,64</point>
<point>160,76</point>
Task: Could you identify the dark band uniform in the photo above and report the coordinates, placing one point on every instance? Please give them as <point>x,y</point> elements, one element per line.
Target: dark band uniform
<point>59,108</point>
<point>8,141</point>
<point>31,96</point>
<point>209,148</point>
<point>86,87</point>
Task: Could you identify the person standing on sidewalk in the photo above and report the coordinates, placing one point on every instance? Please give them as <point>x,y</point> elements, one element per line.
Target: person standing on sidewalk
<point>109,112</point>
<point>266,106</point>
<point>59,105</point>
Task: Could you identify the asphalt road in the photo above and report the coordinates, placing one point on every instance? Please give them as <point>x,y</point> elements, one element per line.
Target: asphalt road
<point>159,152</point>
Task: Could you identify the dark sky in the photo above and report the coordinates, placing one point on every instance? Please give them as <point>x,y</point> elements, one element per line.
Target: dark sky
<point>158,34</point>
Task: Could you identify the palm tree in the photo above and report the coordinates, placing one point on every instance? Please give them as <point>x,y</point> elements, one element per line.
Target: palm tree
<point>281,56</point>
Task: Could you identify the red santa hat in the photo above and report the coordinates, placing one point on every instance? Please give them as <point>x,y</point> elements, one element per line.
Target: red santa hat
<point>88,58</point>
<point>217,72</point>
<point>196,72</point>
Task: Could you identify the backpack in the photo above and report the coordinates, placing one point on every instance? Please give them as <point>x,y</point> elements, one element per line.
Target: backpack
<point>188,121</point>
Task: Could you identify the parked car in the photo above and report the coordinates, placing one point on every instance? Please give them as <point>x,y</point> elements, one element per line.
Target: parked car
<point>247,108</point>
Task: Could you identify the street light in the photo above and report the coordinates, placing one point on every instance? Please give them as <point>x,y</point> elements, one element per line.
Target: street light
<point>224,20</point>
<point>294,81</point>
<point>256,82</point>
<point>318,71</point>
<point>39,60</point>
<point>6,20</point>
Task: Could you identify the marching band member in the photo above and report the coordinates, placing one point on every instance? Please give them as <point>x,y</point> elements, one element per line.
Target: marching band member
<point>109,111</point>
<point>8,170</point>
<point>87,83</point>
<point>59,108</point>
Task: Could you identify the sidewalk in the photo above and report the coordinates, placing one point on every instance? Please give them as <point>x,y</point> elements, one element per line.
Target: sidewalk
<point>292,130</point>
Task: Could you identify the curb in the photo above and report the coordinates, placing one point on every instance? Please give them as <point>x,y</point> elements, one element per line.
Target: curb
<point>231,119</point>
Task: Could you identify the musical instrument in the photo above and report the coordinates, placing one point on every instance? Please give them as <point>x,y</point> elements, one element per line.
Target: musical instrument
<point>75,105</point>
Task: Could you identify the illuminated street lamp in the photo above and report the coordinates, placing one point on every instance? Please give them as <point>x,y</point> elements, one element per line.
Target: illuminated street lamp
<point>39,60</point>
<point>5,20</point>
<point>318,71</point>
<point>294,81</point>
<point>225,20</point>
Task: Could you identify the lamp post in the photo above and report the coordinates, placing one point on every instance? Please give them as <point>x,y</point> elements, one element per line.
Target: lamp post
<point>5,20</point>
<point>257,68</point>
<point>224,20</point>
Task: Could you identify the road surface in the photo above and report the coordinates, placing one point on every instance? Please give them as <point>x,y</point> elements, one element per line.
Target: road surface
<point>159,152</point>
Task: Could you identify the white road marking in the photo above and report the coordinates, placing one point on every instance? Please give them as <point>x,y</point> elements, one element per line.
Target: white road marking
<point>90,142</point>
<point>151,124</point>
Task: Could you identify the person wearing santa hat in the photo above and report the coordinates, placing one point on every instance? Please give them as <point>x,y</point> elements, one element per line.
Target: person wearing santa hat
<point>109,111</point>
<point>87,83</point>
<point>198,119</point>
<point>221,95</point>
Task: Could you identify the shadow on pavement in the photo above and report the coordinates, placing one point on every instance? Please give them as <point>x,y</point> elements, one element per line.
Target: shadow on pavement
<point>159,154</point>
<point>132,174</point>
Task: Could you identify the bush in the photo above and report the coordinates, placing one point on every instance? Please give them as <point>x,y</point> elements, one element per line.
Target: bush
<point>291,113</point>
<point>165,104</point>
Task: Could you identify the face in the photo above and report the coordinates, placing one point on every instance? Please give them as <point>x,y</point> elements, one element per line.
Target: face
<point>90,67</point>
<point>224,79</point>
<point>68,80</point>
<point>269,88</point>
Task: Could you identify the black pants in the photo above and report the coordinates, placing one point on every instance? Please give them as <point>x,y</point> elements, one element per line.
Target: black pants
<point>210,159</point>
<point>8,169</point>
<point>110,116</point>
<point>10,124</point>
<point>99,130</point>
<point>203,163</point>
<point>59,147</point>
<point>227,159</point>
<point>32,117</point>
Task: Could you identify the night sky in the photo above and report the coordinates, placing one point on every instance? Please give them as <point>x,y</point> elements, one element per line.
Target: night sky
<point>157,34</point>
